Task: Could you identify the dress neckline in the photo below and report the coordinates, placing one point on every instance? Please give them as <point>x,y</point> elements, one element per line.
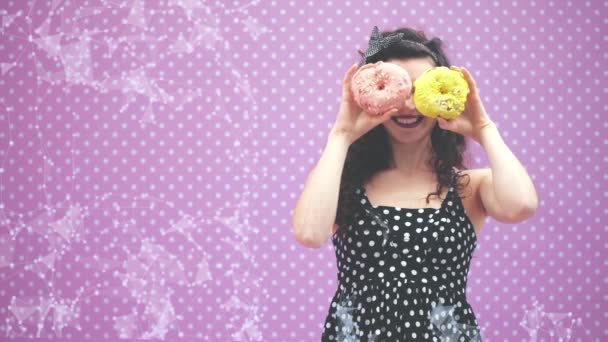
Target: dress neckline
<point>443,202</point>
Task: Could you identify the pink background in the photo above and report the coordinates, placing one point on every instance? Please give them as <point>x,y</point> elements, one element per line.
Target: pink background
<point>151,153</point>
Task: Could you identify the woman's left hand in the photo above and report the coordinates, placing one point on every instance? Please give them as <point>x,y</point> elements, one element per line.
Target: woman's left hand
<point>474,117</point>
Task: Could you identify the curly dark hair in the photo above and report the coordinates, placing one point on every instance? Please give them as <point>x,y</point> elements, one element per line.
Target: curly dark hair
<point>372,151</point>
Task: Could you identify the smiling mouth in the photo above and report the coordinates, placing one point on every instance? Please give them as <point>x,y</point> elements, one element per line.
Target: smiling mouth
<point>408,121</point>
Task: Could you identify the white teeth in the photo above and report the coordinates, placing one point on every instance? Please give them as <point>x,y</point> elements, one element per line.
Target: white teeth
<point>406,121</point>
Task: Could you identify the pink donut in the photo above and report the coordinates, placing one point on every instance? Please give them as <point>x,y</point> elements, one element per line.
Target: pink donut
<point>380,86</point>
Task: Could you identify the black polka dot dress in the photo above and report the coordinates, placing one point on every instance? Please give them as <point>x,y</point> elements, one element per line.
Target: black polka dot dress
<point>402,274</point>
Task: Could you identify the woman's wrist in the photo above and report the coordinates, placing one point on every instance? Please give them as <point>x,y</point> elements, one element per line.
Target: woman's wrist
<point>484,129</point>
<point>340,135</point>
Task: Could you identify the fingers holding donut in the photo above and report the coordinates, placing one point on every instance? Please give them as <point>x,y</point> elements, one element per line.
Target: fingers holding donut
<point>375,120</point>
<point>352,119</point>
<point>386,115</point>
<point>474,116</point>
<point>467,76</point>
<point>365,122</point>
<point>346,92</point>
<point>474,101</point>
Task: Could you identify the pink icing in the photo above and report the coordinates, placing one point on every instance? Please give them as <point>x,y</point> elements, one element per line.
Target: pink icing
<point>381,86</point>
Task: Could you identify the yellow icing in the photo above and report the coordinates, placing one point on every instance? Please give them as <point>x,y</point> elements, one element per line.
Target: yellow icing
<point>441,91</point>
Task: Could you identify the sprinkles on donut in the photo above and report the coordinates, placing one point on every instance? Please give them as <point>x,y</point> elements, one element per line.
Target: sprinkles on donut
<point>441,91</point>
<point>380,86</point>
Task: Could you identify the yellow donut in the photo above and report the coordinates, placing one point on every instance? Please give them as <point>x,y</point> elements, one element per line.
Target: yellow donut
<point>441,91</point>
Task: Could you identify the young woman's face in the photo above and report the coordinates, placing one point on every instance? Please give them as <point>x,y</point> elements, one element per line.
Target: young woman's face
<point>415,67</point>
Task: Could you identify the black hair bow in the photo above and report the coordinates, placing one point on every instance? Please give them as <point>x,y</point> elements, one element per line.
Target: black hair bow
<point>377,43</point>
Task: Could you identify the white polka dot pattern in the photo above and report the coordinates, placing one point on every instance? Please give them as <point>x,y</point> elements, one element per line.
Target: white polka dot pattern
<point>402,274</point>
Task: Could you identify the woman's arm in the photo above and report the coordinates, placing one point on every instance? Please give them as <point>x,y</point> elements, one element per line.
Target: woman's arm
<point>506,190</point>
<point>315,211</point>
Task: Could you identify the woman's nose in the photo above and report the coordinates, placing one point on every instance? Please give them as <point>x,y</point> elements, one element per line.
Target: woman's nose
<point>409,104</point>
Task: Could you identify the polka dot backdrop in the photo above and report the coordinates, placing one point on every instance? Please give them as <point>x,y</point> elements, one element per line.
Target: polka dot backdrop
<point>152,153</point>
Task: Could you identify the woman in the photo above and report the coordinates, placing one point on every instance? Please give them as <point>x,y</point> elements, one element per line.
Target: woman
<point>403,251</point>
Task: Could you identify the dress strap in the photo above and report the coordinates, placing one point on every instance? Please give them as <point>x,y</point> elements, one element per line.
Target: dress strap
<point>454,182</point>
<point>455,174</point>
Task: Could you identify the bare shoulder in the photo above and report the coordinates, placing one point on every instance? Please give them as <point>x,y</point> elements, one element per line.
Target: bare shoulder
<point>471,198</point>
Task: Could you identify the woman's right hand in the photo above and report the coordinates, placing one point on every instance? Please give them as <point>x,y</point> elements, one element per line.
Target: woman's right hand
<point>352,121</point>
